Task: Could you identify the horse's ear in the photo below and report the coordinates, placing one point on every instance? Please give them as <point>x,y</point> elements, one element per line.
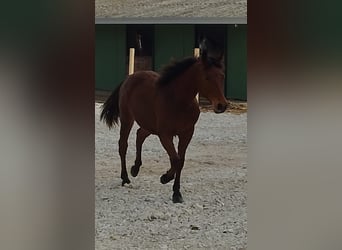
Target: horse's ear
<point>209,53</point>
<point>205,58</point>
<point>203,48</point>
<point>204,55</point>
<point>202,43</point>
<point>220,58</point>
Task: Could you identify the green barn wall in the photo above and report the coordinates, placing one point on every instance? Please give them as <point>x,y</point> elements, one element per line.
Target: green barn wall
<point>236,66</point>
<point>172,41</point>
<point>110,56</point>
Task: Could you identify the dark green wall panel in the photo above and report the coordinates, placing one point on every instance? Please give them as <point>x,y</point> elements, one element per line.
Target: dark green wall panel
<point>236,66</point>
<point>172,41</point>
<point>110,56</point>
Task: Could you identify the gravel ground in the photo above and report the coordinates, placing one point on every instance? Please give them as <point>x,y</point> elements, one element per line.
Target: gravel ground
<point>170,8</point>
<point>213,184</point>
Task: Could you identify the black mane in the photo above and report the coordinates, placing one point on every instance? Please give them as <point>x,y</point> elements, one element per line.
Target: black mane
<point>174,69</point>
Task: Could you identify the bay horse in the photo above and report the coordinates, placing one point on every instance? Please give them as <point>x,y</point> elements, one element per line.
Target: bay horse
<point>165,105</point>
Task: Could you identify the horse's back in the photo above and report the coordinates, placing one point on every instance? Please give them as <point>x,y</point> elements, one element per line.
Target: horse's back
<point>137,97</point>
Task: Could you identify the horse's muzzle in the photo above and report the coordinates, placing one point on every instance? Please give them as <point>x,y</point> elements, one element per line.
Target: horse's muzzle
<point>220,108</point>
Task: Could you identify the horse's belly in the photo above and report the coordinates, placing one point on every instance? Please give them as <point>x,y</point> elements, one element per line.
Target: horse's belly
<point>143,111</point>
<point>146,121</point>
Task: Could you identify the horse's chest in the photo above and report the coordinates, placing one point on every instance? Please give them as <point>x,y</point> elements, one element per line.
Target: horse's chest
<point>187,117</point>
<point>177,121</point>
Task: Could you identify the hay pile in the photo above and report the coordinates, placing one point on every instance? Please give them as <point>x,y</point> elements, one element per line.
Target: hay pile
<point>237,107</point>
<point>234,107</point>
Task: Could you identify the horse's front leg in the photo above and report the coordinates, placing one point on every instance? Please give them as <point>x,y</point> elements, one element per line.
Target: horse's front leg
<point>184,140</point>
<point>166,141</point>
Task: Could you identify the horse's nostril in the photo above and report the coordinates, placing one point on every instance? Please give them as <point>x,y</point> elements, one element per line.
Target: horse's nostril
<point>221,107</point>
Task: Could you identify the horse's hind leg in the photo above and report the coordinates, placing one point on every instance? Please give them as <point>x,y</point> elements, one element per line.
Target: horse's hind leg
<point>125,129</point>
<point>142,134</point>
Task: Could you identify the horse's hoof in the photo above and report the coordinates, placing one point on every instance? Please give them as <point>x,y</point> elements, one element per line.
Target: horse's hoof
<point>134,171</point>
<point>177,198</point>
<point>125,181</point>
<point>165,178</point>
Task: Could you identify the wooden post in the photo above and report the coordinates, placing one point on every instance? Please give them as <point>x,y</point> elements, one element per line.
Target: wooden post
<point>131,61</point>
<point>197,54</point>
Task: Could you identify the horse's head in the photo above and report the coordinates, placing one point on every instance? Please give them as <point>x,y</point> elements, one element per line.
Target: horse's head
<point>211,83</point>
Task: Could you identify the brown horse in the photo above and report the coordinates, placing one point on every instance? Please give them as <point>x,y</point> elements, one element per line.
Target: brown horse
<point>165,105</point>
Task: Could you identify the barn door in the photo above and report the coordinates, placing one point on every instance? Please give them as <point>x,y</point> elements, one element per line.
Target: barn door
<point>172,41</point>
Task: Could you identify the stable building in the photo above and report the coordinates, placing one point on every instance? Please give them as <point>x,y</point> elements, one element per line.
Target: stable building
<point>158,38</point>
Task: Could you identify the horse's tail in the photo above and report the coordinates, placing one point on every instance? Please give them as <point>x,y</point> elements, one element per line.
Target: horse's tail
<point>110,109</point>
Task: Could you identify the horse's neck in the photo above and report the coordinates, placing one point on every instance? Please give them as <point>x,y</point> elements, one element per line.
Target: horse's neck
<point>185,87</point>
